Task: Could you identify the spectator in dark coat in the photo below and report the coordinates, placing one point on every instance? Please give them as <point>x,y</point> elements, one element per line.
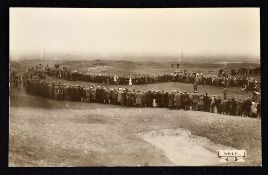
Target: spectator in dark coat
<point>171,99</point>
<point>218,105</point>
<point>228,106</point>
<point>206,103</point>
<point>248,107</point>
<point>233,106</point>
<point>166,99</point>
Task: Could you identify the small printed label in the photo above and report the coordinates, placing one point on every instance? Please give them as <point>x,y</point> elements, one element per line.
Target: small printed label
<point>228,155</point>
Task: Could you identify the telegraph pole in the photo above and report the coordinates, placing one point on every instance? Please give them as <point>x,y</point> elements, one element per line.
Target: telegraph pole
<point>182,57</point>
<point>44,55</point>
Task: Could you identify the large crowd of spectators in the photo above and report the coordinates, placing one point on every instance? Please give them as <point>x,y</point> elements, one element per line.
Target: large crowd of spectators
<point>246,82</point>
<point>16,81</point>
<point>174,99</point>
<point>35,83</point>
<point>245,71</point>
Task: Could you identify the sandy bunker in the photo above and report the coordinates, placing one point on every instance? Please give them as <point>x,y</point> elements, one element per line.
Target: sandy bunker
<point>183,148</point>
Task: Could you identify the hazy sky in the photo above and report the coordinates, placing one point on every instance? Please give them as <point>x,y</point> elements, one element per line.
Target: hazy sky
<point>122,31</point>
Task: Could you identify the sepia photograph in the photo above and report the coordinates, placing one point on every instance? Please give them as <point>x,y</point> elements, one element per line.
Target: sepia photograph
<point>136,87</point>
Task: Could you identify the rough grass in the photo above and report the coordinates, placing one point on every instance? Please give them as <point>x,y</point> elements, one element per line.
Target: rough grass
<point>81,134</point>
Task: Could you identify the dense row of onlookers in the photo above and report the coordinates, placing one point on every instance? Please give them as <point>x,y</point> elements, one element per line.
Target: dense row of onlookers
<point>246,71</point>
<point>246,82</point>
<point>35,83</point>
<point>174,99</point>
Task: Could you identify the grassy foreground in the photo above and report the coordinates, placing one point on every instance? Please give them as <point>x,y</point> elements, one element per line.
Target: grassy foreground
<point>51,133</point>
